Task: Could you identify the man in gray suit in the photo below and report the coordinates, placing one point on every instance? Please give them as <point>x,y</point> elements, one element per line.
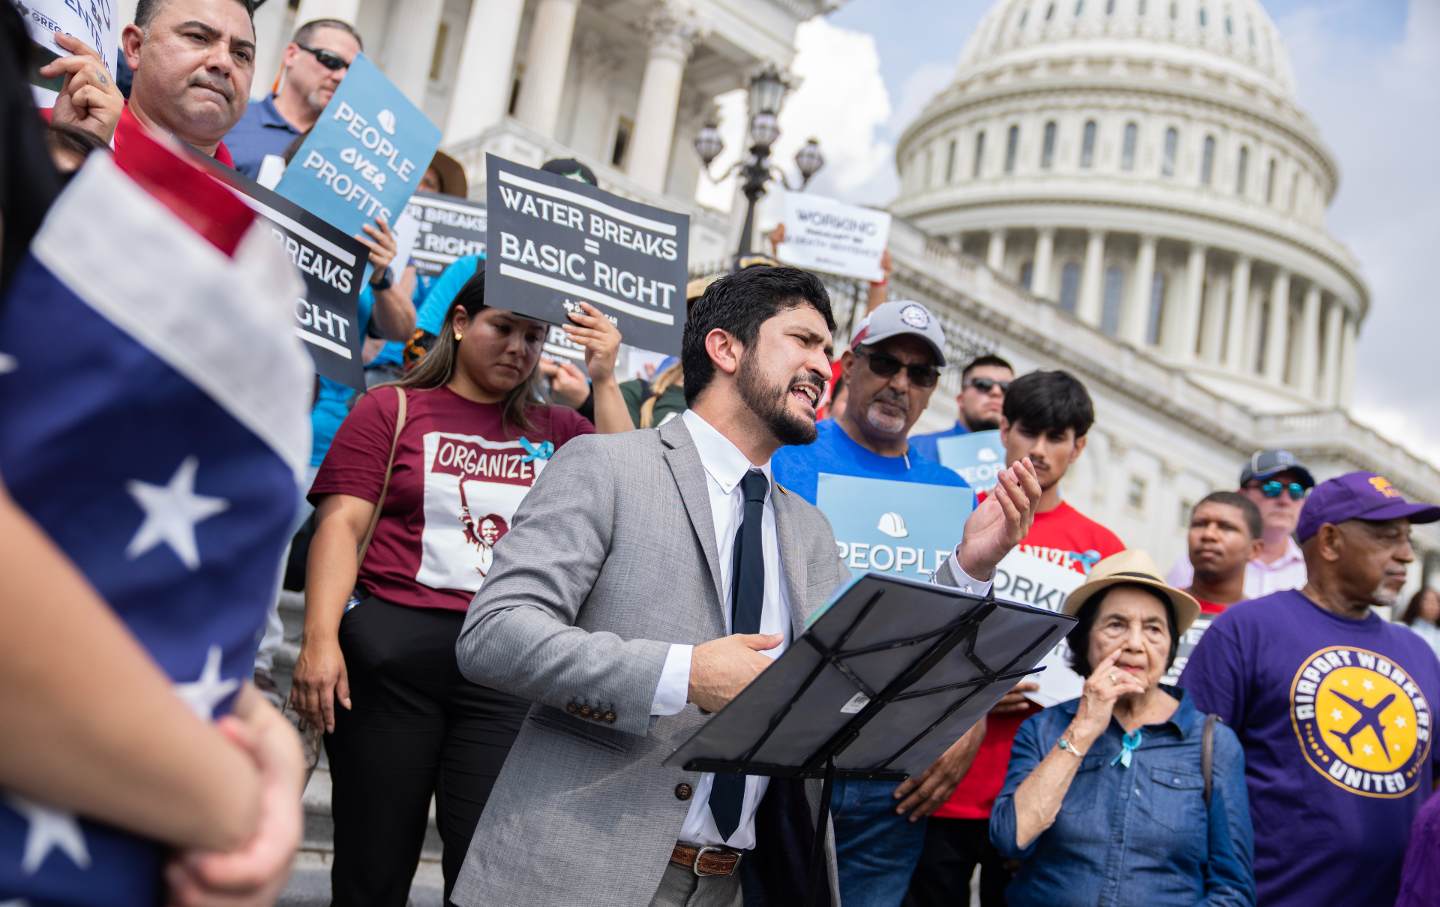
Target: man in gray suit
<point>646,579</point>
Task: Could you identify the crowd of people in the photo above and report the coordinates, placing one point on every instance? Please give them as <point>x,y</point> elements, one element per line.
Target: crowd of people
<point>526,582</point>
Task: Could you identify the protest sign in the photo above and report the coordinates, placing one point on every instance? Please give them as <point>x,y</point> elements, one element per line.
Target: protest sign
<point>900,528</point>
<point>1029,580</point>
<point>558,343</point>
<point>93,21</point>
<point>554,242</point>
<point>450,228</point>
<point>822,234</point>
<point>1188,642</point>
<point>365,155</point>
<point>978,457</point>
<point>331,263</point>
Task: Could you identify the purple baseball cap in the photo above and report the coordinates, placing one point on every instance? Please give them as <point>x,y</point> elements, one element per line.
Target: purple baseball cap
<point>1358,496</point>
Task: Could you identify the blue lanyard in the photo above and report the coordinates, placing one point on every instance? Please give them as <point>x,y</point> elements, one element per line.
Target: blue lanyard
<point>1128,745</point>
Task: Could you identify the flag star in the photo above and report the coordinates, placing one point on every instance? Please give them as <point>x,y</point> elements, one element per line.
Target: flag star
<point>1394,746</point>
<point>171,513</point>
<point>1400,722</point>
<point>8,363</point>
<point>1368,750</point>
<point>49,829</point>
<point>1368,685</point>
<point>204,695</point>
<point>1344,683</point>
<point>1336,714</point>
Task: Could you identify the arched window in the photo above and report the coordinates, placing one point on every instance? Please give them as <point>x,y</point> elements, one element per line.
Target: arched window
<point>1294,190</point>
<point>1070,286</point>
<point>1174,10</point>
<point>1242,171</point>
<point>1229,25</point>
<point>1087,146</point>
<point>1027,274</point>
<point>979,161</point>
<point>1024,17</point>
<point>1270,183</point>
<point>1012,147</point>
<point>950,163</point>
<point>1157,309</point>
<point>1207,161</point>
<point>1141,9</point>
<point>1047,150</point>
<point>1127,148</point>
<point>1049,12</point>
<point>1110,8</point>
<point>1172,144</point>
<point>1114,299</point>
<point>1079,7</point>
<point>929,168</point>
<point>1204,17</point>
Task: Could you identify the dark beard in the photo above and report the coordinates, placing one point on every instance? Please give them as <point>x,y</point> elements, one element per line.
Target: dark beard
<point>768,403</point>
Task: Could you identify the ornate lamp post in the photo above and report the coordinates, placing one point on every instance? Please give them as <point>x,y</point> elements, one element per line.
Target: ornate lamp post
<point>768,88</point>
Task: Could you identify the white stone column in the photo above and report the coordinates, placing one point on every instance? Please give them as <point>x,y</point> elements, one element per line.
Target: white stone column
<point>1309,342</point>
<point>1181,328</point>
<point>272,35</point>
<point>1091,278</point>
<point>546,58</point>
<point>1216,300</point>
<point>1044,262</point>
<point>487,67</point>
<point>1238,316</point>
<point>995,253</point>
<point>344,10</point>
<point>1277,340</point>
<point>125,14</point>
<point>1348,337</point>
<point>673,31</point>
<point>1135,317</point>
<point>410,46</point>
<point>1330,373</point>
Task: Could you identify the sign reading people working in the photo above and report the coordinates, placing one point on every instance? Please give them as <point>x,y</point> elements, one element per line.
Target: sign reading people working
<point>1026,579</point>
<point>331,263</point>
<point>822,234</point>
<point>902,528</point>
<point>365,155</point>
<point>449,228</point>
<point>978,457</point>
<point>555,242</point>
<point>93,21</point>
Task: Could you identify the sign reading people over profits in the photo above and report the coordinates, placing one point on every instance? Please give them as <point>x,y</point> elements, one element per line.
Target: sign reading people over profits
<point>555,242</point>
<point>365,155</point>
<point>902,528</point>
<point>978,457</point>
<point>822,234</point>
<point>93,21</point>
<point>449,228</point>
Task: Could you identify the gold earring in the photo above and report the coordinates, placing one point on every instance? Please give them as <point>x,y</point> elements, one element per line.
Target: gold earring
<point>457,336</point>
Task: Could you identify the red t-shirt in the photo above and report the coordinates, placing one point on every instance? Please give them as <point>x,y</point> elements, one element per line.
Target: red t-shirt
<point>1211,607</point>
<point>458,478</point>
<point>1064,536</point>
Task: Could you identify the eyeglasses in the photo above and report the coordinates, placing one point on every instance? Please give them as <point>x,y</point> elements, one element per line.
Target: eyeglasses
<point>1274,488</point>
<point>886,366</point>
<point>326,58</point>
<point>985,385</point>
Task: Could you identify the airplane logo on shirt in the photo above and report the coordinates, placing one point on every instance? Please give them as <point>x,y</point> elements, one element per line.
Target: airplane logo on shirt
<point>1369,718</point>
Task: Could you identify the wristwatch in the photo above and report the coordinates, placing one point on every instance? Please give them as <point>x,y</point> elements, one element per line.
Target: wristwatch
<point>387,279</point>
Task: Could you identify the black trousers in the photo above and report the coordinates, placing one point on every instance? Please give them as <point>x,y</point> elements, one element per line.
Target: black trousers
<point>417,728</point>
<point>953,848</point>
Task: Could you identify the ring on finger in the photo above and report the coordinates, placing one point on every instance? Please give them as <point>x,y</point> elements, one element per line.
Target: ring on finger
<point>1112,677</point>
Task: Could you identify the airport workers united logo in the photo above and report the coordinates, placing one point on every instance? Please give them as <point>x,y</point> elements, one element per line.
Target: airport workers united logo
<point>1361,721</point>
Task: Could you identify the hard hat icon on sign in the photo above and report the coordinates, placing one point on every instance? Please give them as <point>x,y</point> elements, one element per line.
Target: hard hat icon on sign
<point>386,118</point>
<point>893,525</point>
<point>986,455</point>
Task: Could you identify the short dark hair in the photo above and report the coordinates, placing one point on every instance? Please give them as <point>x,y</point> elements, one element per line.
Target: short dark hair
<point>145,11</point>
<point>304,33</point>
<point>1079,635</point>
<point>1049,401</point>
<point>1248,510</point>
<point>738,304</point>
<point>987,359</point>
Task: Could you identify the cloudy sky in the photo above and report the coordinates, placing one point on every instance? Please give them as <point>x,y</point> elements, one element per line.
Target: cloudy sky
<point>1367,71</point>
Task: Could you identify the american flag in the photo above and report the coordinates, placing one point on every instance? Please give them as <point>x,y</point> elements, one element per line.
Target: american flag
<point>153,421</point>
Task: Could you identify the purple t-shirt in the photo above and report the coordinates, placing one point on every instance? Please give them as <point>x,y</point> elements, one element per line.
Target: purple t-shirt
<point>1336,718</point>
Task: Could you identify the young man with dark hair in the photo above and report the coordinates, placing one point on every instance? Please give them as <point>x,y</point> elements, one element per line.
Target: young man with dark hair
<point>312,67</point>
<point>1046,417</point>
<point>982,399</point>
<point>646,579</point>
<point>1225,535</point>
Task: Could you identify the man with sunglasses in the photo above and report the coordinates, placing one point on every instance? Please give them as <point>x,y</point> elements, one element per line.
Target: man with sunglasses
<point>1277,482</point>
<point>314,63</point>
<point>983,384</point>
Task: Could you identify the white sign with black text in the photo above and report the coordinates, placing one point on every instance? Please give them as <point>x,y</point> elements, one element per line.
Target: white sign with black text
<point>822,234</point>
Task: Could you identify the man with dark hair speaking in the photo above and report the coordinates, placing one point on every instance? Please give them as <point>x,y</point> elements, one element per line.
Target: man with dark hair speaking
<point>645,581</point>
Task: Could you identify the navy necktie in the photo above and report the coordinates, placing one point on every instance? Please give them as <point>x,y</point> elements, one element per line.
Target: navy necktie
<point>747,602</point>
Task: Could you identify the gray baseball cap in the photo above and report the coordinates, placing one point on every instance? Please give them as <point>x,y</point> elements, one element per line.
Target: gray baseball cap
<point>1264,464</point>
<point>897,317</point>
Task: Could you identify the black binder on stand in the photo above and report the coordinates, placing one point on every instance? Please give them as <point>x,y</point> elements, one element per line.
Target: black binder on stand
<point>889,675</point>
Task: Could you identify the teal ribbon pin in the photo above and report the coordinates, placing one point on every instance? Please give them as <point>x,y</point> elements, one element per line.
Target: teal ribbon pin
<point>542,451</point>
<point>1128,745</point>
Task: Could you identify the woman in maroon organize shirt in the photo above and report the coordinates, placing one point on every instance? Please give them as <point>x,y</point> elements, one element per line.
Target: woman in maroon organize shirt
<point>380,635</point>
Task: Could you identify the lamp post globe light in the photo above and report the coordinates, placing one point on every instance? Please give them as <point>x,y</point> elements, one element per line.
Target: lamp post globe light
<point>768,88</point>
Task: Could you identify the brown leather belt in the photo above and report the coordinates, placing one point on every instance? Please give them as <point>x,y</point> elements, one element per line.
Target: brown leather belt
<point>706,861</point>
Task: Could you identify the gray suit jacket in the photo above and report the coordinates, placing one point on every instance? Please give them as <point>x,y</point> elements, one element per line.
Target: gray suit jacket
<point>609,560</point>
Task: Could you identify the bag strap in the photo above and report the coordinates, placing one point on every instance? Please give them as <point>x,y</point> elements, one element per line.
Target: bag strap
<point>385,486</point>
<point>1207,752</point>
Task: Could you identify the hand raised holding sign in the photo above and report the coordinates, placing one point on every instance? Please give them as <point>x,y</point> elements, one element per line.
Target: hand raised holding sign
<point>1001,520</point>
<point>89,99</point>
<point>601,340</point>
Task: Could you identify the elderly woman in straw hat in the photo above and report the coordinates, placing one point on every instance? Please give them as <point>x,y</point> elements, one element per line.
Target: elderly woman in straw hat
<point>1127,795</point>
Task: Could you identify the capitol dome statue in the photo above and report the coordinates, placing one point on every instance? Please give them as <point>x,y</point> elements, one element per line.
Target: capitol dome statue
<point>1143,164</point>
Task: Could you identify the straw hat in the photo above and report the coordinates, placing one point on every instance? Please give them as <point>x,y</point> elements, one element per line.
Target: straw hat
<point>1137,567</point>
<point>452,175</point>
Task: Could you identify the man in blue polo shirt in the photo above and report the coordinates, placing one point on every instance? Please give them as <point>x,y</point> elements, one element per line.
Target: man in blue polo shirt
<point>891,368</point>
<point>314,63</point>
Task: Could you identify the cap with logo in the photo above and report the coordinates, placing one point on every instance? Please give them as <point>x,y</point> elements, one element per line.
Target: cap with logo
<point>1136,567</point>
<point>570,168</point>
<point>893,319</point>
<point>1358,496</point>
<point>1264,464</point>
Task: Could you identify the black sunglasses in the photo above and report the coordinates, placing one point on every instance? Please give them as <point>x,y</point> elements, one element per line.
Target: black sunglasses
<point>886,366</point>
<point>1274,488</point>
<point>985,385</point>
<point>326,58</point>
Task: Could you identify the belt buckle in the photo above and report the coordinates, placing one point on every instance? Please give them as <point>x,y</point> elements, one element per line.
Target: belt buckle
<point>695,866</point>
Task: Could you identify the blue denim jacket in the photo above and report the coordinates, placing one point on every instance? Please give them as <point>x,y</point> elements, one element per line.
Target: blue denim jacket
<point>1137,835</point>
